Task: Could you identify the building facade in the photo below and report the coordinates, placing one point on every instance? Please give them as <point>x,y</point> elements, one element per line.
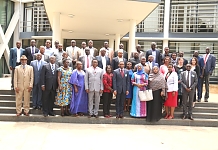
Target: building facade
<point>181,25</point>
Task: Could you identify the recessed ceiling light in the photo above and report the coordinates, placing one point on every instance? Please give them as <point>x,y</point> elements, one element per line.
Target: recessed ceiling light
<point>70,31</point>
<point>120,20</point>
<point>107,34</point>
<point>71,15</point>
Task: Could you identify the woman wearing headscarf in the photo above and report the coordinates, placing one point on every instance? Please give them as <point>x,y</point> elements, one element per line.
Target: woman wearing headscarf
<point>140,81</point>
<point>158,86</point>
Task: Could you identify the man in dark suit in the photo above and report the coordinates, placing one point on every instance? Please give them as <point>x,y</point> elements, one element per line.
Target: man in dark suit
<point>30,51</point>
<point>151,62</point>
<point>166,53</point>
<point>37,90</point>
<point>189,82</point>
<point>15,54</point>
<point>121,82</point>
<point>86,60</point>
<point>121,48</point>
<point>116,60</point>
<point>49,85</point>
<point>103,60</point>
<point>181,54</point>
<point>135,59</point>
<point>44,56</point>
<point>209,62</point>
<point>139,51</point>
<point>154,52</point>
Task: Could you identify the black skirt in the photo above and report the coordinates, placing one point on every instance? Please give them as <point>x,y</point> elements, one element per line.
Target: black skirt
<point>154,107</point>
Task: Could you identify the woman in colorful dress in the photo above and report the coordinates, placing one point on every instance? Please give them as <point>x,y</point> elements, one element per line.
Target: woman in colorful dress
<point>172,92</point>
<point>129,96</point>
<point>79,102</point>
<point>179,69</point>
<point>63,97</point>
<point>140,82</point>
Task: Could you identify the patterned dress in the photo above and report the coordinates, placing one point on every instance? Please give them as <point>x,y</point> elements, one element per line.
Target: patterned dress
<point>138,108</point>
<point>63,97</point>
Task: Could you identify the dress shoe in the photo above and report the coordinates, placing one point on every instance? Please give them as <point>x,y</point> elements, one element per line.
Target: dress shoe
<point>39,107</point>
<point>96,116</point>
<point>184,117</point>
<point>26,114</point>
<point>18,114</point>
<point>199,100</point>
<point>34,107</point>
<point>90,116</point>
<point>106,116</point>
<point>191,118</point>
<point>51,114</point>
<point>121,116</point>
<point>117,116</point>
<point>45,115</point>
<point>205,100</point>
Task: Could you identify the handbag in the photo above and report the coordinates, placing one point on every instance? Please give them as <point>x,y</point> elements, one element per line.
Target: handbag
<point>145,95</point>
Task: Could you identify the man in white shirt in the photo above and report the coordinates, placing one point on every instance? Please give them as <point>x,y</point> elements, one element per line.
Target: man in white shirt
<point>103,60</point>
<point>86,59</point>
<point>82,50</point>
<point>48,50</point>
<point>93,51</point>
<point>59,53</point>
<point>109,52</point>
<point>55,49</point>
<point>73,51</point>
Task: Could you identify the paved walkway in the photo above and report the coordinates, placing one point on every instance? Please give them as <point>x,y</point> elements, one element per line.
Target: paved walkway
<point>57,136</point>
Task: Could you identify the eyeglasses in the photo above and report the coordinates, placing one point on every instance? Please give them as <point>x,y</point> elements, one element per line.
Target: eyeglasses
<point>188,66</point>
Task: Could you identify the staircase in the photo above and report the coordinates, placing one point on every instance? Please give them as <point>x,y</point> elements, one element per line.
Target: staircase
<point>205,114</point>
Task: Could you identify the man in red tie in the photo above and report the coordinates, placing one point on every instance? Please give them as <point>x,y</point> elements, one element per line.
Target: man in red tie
<point>121,84</point>
<point>86,59</point>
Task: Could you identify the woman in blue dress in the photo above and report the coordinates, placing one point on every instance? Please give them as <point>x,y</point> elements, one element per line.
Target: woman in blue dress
<point>129,96</point>
<point>79,101</point>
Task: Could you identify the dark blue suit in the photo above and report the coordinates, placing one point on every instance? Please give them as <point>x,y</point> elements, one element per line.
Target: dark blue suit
<point>120,85</point>
<point>37,90</point>
<point>100,65</point>
<point>158,58</point>
<point>207,70</point>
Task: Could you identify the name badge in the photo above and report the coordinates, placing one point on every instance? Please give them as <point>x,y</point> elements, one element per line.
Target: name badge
<point>125,75</point>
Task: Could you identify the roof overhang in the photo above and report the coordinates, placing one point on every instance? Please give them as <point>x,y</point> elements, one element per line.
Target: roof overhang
<point>97,19</point>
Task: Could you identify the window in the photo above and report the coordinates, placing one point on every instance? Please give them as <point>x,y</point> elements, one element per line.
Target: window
<point>146,45</point>
<point>194,16</point>
<point>154,22</point>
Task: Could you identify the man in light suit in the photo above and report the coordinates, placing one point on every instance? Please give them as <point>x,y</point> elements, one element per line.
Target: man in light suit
<point>15,54</point>
<point>151,62</point>
<point>139,51</point>
<point>37,90</point>
<point>49,86</point>
<point>209,63</point>
<point>93,51</point>
<point>94,87</point>
<point>82,50</point>
<point>30,51</point>
<point>121,82</point>
<point>73,51</point>
<point>154,52</point>
<point>103,60</point>
<point>121,48</point>
<point>189,82</point>
<point>23,84</point>
<point>109,52</point>
<point>86,59</point>
<point>65,56</point>
<point>44,56</point>
<point>116,60</point>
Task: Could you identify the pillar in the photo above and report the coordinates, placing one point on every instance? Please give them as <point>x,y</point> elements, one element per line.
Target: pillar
<point>117,42</point>
<point>111,43</point>
<point>136,42</point>
<point>165,44</point>
<point>56,30</point>
<point>166,18</point>
<point>131,37</point>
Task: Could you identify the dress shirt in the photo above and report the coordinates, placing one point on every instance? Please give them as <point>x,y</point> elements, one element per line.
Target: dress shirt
<point>205,57</point>
<point>82,52</point>
<point>103,62</point>
<point>33,48</point>
<point>53,66</point>
<point>154,55</point>
<point>120,59</point>
<point>49,51</point>
<point>18,55</point>
<point>150,64</point>
<point>38,64</point>
<point>59,55</point>
<point>43,57</point>
<point>189,77</point>
<point>91,51</point>
<point>90,62</point>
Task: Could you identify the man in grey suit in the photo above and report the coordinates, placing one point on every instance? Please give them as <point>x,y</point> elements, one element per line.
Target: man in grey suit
<point>44,56</point>
<point>37,90</point>
<point>49,85</point>
<point>65,56</point>
<point>189,82</point>
<point>156,53</point>
<point>86,59</point>
<point>94,87</point>
<point>121,82</point>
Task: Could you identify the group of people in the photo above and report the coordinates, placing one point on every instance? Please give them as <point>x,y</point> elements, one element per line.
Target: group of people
<point>76,80</point>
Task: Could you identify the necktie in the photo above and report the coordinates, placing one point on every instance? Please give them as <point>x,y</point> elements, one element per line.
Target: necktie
<point>205,59</point>
<point>32,50</point>
<point>39,64</point>
<point>187,83</point>
<point>122,73</point>
<point>52,68</point>
<point>87,61</point>
<point>23,66</point>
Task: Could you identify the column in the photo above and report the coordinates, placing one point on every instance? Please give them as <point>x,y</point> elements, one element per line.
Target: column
<point>166,18</point>
<point>185,19</point>
<point>56,31</point>
<point>131,37</point>
<point>165,44</point>
<point>136,41</point>
<point>111,43</point>
<point>117,42</point>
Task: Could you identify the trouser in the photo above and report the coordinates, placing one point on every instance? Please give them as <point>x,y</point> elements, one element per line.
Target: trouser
<point>12,75</point>
<point>19,97</point>
<point>185,97</point>
<point>48,101</point>
<point>199,88</point>
<point>37,95</point>
<point>205,79</point>
<point>106,103</point>
<point>179,98</point>
<point>120,98</point>
<point>94,96</point>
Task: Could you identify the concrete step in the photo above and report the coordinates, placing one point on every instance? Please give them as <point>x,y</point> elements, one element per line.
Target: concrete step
<point>113,120</point>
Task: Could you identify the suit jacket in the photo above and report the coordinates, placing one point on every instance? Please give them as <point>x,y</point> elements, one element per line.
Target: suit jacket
<point>121,84</point>
<point>46,58</point>
<point>29,55</point>
<point>142,54</point>
<point>172,82</point>
<point>23,79</point>
<point>94,79</point>
<point>60,63</point>
<point>158,56</point>
<point>185,61</point>
<point>37,73</point>
<point>115,63</point>
<point>95,53</point>
<point>13,56</point>
<point>125,54</point>
<point>100,65</point>
<point>82,59</point>
<point>134,61</point>
<point>73,53</point>
<point>209,66</point>
<point>48,79</point>
<point>194,80</point>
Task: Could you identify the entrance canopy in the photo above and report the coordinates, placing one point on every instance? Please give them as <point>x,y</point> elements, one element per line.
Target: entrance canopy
<point>96,19</point>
